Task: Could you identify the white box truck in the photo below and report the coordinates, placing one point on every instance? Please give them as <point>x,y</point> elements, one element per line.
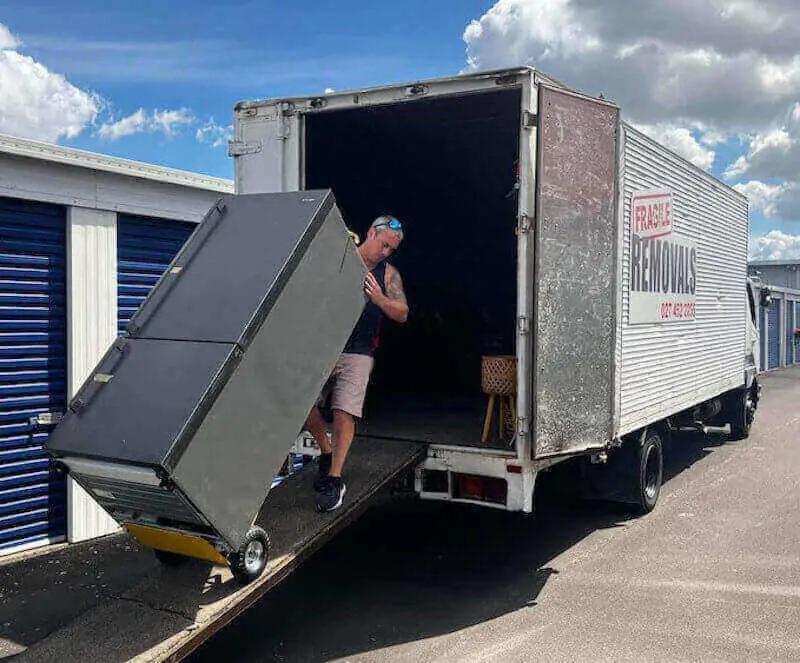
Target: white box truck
<point>538,225</point>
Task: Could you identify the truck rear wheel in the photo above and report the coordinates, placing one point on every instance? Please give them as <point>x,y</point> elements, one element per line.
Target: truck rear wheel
<point>650,474</point>
<point>740,429</point>
<point>651,471</point>
<point>633,474</point>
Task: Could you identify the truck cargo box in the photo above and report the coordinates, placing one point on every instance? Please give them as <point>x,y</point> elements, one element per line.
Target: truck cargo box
<point>517,196</point>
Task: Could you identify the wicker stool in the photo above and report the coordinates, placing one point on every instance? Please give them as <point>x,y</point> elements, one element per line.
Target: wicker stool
<point>499,382</point>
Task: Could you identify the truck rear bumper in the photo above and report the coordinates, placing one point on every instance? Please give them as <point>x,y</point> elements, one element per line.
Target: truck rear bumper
<point>484,477</point>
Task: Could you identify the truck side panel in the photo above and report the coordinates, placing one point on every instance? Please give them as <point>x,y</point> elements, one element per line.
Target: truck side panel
<point>673,358</point>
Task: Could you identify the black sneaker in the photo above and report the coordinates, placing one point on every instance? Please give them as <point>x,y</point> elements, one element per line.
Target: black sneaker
<point>332,494</point>
<point>323,470</point>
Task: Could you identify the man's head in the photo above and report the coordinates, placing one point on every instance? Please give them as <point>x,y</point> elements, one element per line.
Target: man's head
<point>383,238</point>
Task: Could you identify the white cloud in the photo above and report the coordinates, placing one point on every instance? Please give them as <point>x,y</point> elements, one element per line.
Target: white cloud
<point>712,138</point>
<point>775,245</point>
<point>127,126</point>
<point>7,40</point>
<point>772,154</point>
<point>167,122</point>
<point>692,73</point>
<point>215,134</point>
<point>762,196</point>
<point>683,142</point>
<point>553,28</point>
<point>37,103</point>
<point>715,62</point>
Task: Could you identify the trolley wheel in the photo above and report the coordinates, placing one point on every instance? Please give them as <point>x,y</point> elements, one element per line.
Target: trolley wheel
<point>250,560</point>
<point>169,558</point>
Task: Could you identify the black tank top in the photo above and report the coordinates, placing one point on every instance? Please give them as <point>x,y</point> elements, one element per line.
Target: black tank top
<point>365,336</point>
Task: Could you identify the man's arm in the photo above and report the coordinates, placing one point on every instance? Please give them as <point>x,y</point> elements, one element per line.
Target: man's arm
<point>393,303</point>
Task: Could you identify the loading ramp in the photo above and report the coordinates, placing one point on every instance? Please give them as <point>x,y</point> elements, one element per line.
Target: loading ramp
<point>173,611</point>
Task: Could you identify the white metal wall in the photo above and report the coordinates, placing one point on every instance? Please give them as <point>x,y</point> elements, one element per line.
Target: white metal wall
<point>668,367</point>
<point>92,293</point>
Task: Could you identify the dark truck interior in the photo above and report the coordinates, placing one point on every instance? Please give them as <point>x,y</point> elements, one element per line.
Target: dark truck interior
<point>448,171</point>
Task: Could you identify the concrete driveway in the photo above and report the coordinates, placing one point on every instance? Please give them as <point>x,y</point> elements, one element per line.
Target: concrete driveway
<point>712,574</point>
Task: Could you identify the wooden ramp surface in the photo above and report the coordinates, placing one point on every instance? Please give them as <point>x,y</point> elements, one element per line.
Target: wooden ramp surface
<point>169,614</point>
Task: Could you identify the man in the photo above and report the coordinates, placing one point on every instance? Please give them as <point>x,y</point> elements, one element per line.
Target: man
<point>347,385</point>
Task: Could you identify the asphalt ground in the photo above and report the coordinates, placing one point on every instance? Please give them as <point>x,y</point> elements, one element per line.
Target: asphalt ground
<point>713,574</point>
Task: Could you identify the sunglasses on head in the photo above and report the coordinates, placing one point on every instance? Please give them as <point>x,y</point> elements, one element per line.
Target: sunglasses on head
<point>394,224</point>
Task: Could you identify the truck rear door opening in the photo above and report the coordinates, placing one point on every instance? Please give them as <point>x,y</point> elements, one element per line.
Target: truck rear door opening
<point>448,170</point>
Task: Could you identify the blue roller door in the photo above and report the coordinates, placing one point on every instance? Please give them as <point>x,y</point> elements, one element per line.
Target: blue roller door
<point>773,331</point>
<point>145,248</point>
<point>32,370</point>
<point>788,310</point>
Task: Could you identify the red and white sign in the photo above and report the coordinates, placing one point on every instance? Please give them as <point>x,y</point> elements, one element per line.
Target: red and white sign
<point>651,213</point>
<point>662,275</point>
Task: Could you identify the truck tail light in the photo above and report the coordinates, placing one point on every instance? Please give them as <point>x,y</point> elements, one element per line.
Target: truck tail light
<point>480,489</point>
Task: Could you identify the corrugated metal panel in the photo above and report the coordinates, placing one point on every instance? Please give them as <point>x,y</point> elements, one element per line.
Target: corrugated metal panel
<point>32,369</point>
<point>774,333</point>
<point>145,248</point>
<point>669,367</point>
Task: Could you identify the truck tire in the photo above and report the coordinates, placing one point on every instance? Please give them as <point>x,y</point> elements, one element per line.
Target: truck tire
<point>650,472</point>
<point>633,473</point>
<point>250,560</point>
<point>746,413</point>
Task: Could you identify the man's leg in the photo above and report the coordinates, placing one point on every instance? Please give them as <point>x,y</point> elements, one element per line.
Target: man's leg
<point>315,424</point>
<point>344,429</point>
<point>347,403</point>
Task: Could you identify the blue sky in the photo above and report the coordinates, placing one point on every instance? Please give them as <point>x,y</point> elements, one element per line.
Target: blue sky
<point>716,80</point>
<point>202,57</point>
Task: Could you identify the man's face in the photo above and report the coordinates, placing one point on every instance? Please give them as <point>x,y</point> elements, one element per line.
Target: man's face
<point>380,244</point>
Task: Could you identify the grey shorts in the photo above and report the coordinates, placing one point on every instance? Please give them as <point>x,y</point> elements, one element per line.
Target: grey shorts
<point>347,385</point>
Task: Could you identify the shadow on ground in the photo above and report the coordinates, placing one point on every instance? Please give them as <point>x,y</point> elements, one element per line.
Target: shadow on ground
<point>410,570</point>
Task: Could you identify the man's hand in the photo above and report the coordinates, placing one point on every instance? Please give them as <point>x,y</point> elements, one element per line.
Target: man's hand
<point>373,289</point>
<point>393,302</point>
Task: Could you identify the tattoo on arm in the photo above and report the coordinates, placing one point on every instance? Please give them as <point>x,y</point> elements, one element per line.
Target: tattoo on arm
<point>394,286</point>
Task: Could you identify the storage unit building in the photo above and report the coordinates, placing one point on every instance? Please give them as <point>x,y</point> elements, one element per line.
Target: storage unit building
<point>778,273</point>
<point>66,285</point>
<point>779,327</point>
